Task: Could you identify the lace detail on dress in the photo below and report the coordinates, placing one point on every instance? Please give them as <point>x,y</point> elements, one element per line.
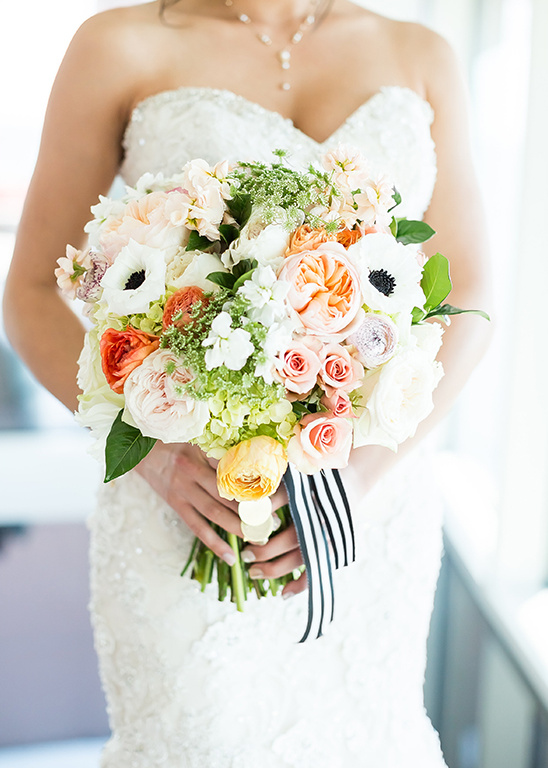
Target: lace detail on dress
<point>391,128</point>
<point>191,683</point>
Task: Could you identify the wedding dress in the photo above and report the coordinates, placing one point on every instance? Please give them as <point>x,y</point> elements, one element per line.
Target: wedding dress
<point>191,683</point>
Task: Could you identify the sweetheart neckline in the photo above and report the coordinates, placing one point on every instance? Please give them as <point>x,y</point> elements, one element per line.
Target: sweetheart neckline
<point>171,92</point>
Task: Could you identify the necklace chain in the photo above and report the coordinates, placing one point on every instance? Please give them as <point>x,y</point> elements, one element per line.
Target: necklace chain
<point>284,53</point>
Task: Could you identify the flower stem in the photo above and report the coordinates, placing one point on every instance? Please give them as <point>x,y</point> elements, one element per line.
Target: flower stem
<point>237,575</point>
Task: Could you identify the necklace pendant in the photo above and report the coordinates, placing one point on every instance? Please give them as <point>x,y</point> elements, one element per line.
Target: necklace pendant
<point>285,58</point>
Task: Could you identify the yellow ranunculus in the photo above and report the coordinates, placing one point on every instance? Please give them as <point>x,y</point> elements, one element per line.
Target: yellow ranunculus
<point>252,469</point>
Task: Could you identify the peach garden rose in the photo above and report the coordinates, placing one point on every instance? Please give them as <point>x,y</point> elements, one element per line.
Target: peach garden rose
<point>324,291</point>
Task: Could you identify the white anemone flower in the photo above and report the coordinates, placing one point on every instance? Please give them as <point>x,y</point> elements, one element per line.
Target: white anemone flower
<point>390,274</point>
<point>136,278</point>
<point>229,346</point>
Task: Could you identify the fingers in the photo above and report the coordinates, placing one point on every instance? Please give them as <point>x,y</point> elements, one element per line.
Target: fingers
<point>201,528</point>
<point>276,568</point>
<point>182,494</point>
<point>280,498</point>
<point>296,586</point>
<point>188,467</point>
<point>278,545</point>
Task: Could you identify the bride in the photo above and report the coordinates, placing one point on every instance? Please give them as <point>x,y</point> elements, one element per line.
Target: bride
<point>189,682</point>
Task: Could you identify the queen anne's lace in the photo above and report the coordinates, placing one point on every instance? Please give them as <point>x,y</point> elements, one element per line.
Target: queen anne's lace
<point>190,683</point>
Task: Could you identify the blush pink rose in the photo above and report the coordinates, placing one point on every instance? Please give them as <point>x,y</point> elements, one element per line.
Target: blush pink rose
<point>321,441</point>
<point>297,367</point>
<point>324,289</point>
<point>339,370</point>
<point>339,404</point>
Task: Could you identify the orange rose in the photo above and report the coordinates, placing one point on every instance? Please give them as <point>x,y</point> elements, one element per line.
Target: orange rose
<point>307,239</point>
<point>182,302</point>
<point>347,237</point>
<point>122,352</point>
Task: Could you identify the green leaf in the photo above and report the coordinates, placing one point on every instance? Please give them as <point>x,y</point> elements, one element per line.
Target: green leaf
<point>396,197</point>
<point>197,242</point>
<point>443,310</point>
<point>241,280</point>
<point>224,279</point>
<point>394,226</point>
<point>243,266</point>
<point>417,316</point>
<point>240,207</point>
<point>125,448</point>
<point>228,233</point>
<point>435,282</point>
<point>412,232</point>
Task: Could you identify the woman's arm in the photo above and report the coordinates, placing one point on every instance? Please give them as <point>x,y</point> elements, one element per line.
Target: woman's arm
<point>456,213</point>
<point>79,157</point>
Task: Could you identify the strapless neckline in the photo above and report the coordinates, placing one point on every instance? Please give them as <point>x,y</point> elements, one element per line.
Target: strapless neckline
<point>254,107</point>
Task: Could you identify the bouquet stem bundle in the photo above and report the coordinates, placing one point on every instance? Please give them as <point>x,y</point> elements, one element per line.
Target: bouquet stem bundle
<point>233,581</point>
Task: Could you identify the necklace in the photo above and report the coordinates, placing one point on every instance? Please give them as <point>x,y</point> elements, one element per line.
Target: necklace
<point>283,54</point>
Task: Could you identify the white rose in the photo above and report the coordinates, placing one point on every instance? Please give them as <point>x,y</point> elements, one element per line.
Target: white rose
<point>197,270</point>
<point>267,244</point>
<point>398,398</point>
<point>98,405</point>
<point>428,337</point>
<point>156,405</point>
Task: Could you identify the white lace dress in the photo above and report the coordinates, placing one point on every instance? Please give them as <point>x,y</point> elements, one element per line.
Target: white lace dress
<point>190,682</point>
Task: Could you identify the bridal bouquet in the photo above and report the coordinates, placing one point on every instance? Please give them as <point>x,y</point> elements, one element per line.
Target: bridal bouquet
<point>267,316</point>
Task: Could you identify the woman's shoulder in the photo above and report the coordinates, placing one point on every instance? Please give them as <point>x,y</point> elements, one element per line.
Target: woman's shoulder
<point>112,50</point>
<point>121,25</point>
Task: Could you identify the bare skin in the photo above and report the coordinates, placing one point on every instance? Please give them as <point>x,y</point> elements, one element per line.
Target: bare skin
<point>120,57</point>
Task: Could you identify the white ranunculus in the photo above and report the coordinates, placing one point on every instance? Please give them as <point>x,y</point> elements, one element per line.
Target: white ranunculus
<point>376,339</point>
<point>229,346</point>
<point>401,396</point>
<point>135,262</point>
<point>389,272</point>
<point>157,406</point>
<point>196,272</point>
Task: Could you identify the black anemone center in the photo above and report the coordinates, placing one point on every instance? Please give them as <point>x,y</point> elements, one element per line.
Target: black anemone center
<point>382,281</point>
<point>135,280</point>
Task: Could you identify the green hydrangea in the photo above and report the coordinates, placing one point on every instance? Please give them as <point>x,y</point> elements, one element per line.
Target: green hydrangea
<point>242,404</point>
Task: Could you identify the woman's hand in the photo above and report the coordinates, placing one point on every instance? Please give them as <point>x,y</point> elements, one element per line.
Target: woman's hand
<point>183,477</point>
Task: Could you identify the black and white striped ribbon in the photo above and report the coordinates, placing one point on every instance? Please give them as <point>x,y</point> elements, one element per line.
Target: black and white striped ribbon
<point>321,514</point>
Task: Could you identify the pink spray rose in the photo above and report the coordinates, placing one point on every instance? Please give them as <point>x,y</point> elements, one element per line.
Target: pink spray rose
<point>339,370</point>
<point>297,367</point>
<point>321,441</point>
<point>339,404</point>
